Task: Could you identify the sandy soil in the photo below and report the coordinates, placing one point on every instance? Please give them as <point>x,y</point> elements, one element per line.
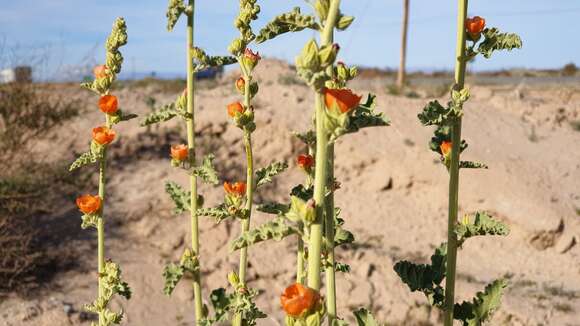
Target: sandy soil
<point>393,198</point>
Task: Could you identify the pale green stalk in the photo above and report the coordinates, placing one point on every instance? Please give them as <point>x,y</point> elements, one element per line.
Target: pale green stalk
<point>191,145</point>
<point>321,173</point>
<point>460,64</point>
<point>329,236</point>
<point>250,185</point>
<point>101,222</point>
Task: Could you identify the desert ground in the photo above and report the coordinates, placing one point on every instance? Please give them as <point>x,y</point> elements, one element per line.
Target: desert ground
<point>393,198</point>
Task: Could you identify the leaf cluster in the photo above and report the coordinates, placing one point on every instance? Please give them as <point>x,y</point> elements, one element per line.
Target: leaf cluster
<point>173,273</point>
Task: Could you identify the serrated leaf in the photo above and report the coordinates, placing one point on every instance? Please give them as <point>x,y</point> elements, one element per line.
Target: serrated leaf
<point>207,171</point>
<point>122,116</point>
<point>219,213</point>
<point>341,267</point>
<point>365,116</point>
<point>482,224</point>
<point>273,208</point>
<point>436,114</point>
<point>203,61</point>
<point>364,318</point>
<point>302,192</point>
<point>479,310</point>
<point>472,165</point>
<point>276,229</point>
<point>165,113</point>
<point>426,278</point>
<point>172,274</point>
<point>174,10</point>
<point>496,41</point>
<point>265,175</point>
<point>292,21</point>
<point>85,159</point>
<point>308,137</point>
<point>342,236</point>
<point>180,197</point>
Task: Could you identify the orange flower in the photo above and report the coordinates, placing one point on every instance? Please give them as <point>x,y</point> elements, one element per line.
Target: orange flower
<point>241,84</point>
<point>237,189</point>
<point>298,299</point>
<point>100,71</point>
<point>235,107</point>
<point>344,99</point>
<point>254,57</point>
<point>179,152</point>
<point>108,104</point>
<point>475,26</point>
<point>445,148</point>
<point>305,161</point>
<point>89,204</point>
<point>103,135</point>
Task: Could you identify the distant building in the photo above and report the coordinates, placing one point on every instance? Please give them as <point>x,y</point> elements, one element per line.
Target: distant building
<point>21,74</point>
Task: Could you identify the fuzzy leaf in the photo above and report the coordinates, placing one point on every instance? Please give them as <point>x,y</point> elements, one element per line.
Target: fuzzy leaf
<point>203,61</point>
<point>166,113</point>
<point>496,41</point>
<point>365,318</point>
<point>174,10</point>
<point>365,116</point>
<point>85,159</point>
<point>179,196</point>
<point>308,137</point>
<point>472,165</point>
<point>341,267</point>
<point>172,273</point>
<point>483,224</point>
<point>274,208</point>
<point>292,21</point>
<point>436,114</point>
<point>479,310</point>
<point>220,302</point>
<point>342,236</point>
<point>425,278</point>
<point>207,171</point>
<point>265,175</point>
<point>219,213</point>
<point>276,229</point>
<point>302,192</point>
<point>122,117</point>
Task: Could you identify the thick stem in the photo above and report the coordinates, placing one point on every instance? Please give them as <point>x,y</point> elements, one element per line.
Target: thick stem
<point>402,73</point>
<point>250,187</point>
<point>101,229</point>
<point>191,145</point>
<point>329,236</point>
<point>460,64</point>
<point>300,261</point>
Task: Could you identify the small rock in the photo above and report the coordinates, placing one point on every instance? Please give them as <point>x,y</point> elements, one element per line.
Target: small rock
<point>389,185</point>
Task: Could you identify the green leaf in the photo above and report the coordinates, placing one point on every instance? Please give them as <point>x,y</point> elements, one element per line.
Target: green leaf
<point>341,267</point>
<point>441,134</point>
<point>180,197</point>
<point>496,41</point>
<point>482,224</point>
<point>342,236</point>
<point>276,229</point>
<point>219,213</point>
<point>172,273</point>
<point>274,208</point>
<point>85,159</point>
<point>308,137</point>
<point>207,171</point>
<point>292,21</point>
<point>365,116</point>
<point>364,318</point>
<point>89,220</point>
<point>265,175</point>
<point>479,310</point>
<point>436,114</point>
<point>166,113</point>
<point>220,302</point>
<point>122,116</point>
<point>472,165</point>
<point>174,10</point>
<point>302,192</point>
<point>203,61</point>
<point>426,278</point>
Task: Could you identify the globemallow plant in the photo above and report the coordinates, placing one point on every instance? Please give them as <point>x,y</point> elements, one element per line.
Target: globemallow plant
<point>183,157</point>
<point>93,206</point>
<point>311,214</point>
<point>473,39</point>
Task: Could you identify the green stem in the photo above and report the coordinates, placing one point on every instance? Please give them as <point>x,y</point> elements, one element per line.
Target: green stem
<point>321,173</point>
<point>300,261</point>
<point>191,145</point>
<point>329,236</point>
<point>460,64</point>
<point>101,222</point>
<point>250,187</point>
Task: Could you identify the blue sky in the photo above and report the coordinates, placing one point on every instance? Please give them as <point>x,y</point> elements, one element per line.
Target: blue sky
<point>71,28</point>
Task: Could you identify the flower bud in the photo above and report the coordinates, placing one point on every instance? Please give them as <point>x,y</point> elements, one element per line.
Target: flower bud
<point>235,108</point>
<point>328,54</point>
<point>305,161</point>
<point>250,59</point>
<point>241,85</point>
<point>89,204</point>
<point>445,148</point>
<point>308,58</point>
<point>108,104</point>
<point>236,47</point>
<point>342,99</point>
<point>236,189</point>
<point>298,300</point>
<point>179,152</point>
<point>103,135</point>
<point>474,27</point>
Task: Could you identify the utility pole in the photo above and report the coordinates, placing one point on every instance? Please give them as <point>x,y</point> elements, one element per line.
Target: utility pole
<point>401,76</point>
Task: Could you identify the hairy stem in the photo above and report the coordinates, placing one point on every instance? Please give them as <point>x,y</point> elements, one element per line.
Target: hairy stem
<point>329,236</point>
<point>460,64</point>
<point>250,185</point>
<point>191,145</point>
